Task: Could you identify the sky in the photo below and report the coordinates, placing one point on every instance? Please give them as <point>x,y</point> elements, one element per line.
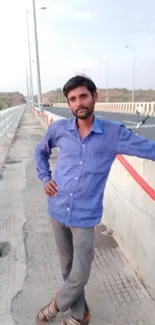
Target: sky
<point>78,36</point>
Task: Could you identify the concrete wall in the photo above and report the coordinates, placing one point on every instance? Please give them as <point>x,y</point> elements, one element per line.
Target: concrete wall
<point>129,212</point>
<point>128,108</point>
<point>9,121</point>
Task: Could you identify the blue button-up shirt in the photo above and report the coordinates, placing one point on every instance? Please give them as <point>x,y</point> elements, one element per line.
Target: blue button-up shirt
<point>83,166</point>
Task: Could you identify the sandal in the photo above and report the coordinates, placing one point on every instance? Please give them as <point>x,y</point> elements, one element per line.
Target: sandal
<point>73,321</point>
<point>86,307</point>
<point>47,314</point>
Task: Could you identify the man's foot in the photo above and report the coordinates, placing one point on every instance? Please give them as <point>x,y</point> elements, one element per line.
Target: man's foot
<point>86,307</point>
<point>48,313</point>
<point>73,321</point>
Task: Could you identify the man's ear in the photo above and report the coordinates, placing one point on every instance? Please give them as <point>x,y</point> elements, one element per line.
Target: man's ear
<point>95,96</point>
<point>68,102</point>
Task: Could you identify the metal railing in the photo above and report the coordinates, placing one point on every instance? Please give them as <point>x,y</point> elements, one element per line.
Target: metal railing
<point>7,117</point>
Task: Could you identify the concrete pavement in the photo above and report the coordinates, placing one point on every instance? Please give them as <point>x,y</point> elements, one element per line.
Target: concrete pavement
<point>30,273</point>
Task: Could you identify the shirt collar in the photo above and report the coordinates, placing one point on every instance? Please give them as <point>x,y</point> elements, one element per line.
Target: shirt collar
<point>96,126</point>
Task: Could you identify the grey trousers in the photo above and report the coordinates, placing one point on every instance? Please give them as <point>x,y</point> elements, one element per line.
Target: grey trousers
<point>76,253</point>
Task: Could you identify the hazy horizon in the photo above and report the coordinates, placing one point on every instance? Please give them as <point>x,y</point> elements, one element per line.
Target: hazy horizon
<point>75,37</point>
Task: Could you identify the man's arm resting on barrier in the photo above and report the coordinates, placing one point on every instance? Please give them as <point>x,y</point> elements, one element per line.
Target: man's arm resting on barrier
<point>130,144</point>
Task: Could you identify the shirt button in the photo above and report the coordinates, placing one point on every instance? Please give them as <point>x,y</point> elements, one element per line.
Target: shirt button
<point>76,178</point>
<point>83,145</point>
<point>68,209</point>
<point>71,194</point>
<point>80,162</point>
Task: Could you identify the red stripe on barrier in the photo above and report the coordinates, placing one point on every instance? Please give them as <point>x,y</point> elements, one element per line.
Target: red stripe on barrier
<point>145,186</point>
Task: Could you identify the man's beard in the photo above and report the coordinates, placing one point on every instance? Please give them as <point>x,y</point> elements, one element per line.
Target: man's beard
<point>87,112</point>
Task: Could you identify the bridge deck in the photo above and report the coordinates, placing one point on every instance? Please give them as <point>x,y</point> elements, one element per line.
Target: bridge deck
<point>30,272</point>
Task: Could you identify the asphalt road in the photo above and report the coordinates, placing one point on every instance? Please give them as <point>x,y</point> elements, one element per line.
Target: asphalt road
<point>130,121</point>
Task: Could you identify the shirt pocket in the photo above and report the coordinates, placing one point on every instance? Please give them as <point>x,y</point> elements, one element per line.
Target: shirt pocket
<point>98,161</point>
<point>95,162</point>
<point>70,149</point>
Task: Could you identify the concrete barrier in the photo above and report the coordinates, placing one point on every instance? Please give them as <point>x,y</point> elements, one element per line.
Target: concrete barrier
<point>45,117</point>
<point>9,121</point>
<point>126,108</point>
<point>129,209</point>
<point>130,212</point>
<point>7,118</point>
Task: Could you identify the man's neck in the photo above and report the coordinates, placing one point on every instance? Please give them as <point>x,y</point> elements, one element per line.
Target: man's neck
<point>85,124</point>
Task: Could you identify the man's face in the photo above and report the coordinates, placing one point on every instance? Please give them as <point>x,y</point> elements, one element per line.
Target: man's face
<point>81,102</point>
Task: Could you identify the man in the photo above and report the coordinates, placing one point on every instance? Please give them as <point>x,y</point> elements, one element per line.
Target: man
<point>88,147</point>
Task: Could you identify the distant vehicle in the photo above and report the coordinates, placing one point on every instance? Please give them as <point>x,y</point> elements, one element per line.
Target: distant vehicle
<point>46,102</point>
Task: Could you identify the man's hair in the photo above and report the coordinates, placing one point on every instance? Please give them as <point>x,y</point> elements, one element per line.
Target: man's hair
<point>78,81</point>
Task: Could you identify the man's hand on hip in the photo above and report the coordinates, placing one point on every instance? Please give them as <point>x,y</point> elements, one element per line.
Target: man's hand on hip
<point>51,188</point>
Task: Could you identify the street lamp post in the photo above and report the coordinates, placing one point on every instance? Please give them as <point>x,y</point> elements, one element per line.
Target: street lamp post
<point>133,76</point>
<point>27,85</point>
<point>30,60</point>
<point>107,81</point>
<point>37,55</point>
<point>30,63</point>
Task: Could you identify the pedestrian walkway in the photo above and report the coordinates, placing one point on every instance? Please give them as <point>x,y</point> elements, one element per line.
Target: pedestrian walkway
<point>30,272</point>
